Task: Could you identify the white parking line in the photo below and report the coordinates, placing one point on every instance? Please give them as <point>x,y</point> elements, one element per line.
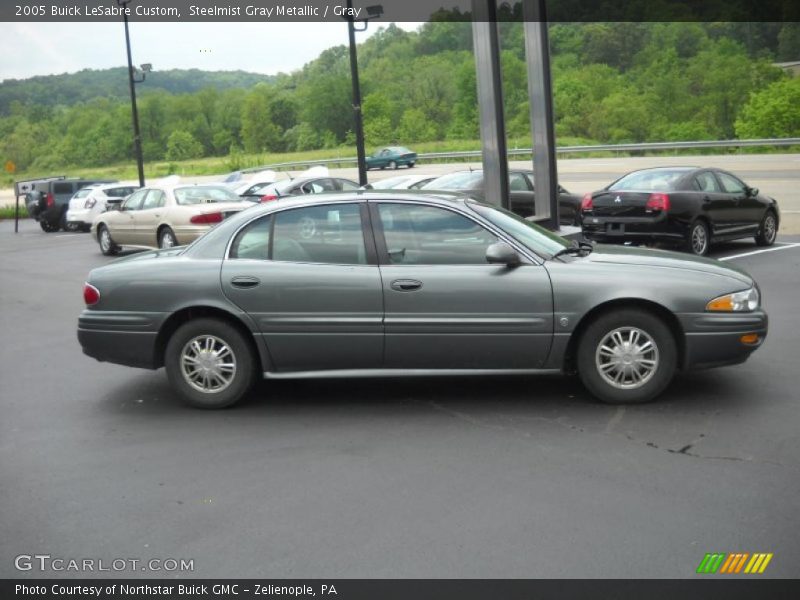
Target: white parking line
<point>784,247</point>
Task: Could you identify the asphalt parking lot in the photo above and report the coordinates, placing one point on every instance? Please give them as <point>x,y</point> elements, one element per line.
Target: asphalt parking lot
<point>453,477</point>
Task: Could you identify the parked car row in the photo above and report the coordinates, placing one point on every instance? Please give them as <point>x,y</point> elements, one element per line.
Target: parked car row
<point>686,207</point>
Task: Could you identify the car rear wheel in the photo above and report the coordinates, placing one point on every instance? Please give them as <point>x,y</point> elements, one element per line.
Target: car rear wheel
<point>768,230</point>
<point>107,245</point>
<point>47,227</point>
<point>698,241</point>
<point>627,357</point>
<point>209,363</point>
<point>166,238</point>
<point>392,165</point>
<point>411,165</point>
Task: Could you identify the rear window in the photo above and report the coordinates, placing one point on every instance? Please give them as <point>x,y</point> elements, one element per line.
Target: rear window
<point>62,188</point>
<point>120,192</point>
<point>202,195</point>
<point>83,193</point>
<point>652,180</point>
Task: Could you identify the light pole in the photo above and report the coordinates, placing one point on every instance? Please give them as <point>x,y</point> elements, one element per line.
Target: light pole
<point>373,12</point>
<point>132,81</point>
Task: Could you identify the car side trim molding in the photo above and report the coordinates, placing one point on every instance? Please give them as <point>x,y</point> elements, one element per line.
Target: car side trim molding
<point>361,373</point>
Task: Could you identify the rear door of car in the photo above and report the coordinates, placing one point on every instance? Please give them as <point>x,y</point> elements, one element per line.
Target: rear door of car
<point>709,200</point>
<point>445,306</point>
<point>309,278</point>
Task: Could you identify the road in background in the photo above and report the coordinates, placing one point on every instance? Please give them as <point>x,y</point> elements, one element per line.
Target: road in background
<point>776,175</point>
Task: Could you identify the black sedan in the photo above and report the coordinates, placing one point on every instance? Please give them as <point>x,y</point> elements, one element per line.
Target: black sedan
<point>306,185</point>
<point>521,192</point>
<point>689,206</point>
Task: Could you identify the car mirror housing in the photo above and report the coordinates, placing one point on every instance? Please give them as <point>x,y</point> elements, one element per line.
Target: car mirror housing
<point>503,254</point>
<point>752,192</point>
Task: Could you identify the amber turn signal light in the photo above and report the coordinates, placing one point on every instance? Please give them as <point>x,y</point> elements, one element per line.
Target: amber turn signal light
<point>749,338</point>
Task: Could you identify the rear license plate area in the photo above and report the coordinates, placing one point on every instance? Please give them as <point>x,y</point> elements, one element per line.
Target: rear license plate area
<point>615,229</point>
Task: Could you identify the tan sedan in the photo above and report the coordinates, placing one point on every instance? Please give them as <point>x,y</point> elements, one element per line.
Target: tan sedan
<point>165,216</point>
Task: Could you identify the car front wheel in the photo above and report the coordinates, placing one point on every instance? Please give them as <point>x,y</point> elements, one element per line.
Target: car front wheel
<point>768,230</point>
<point>627,356</point>
<point>107,245</point>
<point>209,363</point>
<point>392,165</point>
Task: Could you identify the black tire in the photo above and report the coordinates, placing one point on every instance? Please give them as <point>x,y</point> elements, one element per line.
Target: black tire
<point>591,359</point>
<point>768,230</point>
<point>411,165</point>
<point>107,245</point>
<point>241,356</point>
<point>47,227</point>
<point>167,239</point>
<point>392,165</point>
<point>698,240</point>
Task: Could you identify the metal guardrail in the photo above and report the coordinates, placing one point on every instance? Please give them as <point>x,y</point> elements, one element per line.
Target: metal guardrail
<point>559,150</point>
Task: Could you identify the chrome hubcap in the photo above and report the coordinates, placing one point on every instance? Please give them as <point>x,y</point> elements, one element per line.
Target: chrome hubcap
<point>770,231</point>
<point>699,239</point>
<point>167,241</point>
<point>627,358</point>
<point>208,364</point>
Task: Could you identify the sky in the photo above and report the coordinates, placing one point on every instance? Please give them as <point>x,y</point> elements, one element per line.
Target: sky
<point>30,49</point>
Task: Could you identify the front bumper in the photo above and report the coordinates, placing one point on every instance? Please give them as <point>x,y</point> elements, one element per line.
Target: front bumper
<point>714,339</point>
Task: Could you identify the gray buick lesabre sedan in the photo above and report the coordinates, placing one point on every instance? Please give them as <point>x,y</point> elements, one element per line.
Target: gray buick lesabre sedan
<point>373,283</point>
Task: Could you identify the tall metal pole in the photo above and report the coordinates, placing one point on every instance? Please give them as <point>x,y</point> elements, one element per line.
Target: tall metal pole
<point>540,93</point>
<point>357,116</point>
<point>486,44</point>
<point>137,139</point>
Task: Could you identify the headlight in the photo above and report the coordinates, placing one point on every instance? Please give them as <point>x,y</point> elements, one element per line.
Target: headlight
<point>745,301</point>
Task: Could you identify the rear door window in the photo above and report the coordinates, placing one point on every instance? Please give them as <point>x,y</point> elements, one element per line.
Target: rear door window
<point>63,188</point>
<point>252,242</point>
<point>705,182</point>
<point>320,234</point>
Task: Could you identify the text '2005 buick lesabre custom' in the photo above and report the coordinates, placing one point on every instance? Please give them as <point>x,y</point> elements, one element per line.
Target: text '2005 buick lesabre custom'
<point>373,283</point>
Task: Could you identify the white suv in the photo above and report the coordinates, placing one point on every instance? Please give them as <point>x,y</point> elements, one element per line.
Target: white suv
<point>93,200</point>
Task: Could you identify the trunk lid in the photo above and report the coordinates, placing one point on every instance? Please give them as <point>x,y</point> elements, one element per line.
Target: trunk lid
<point>620,204</point>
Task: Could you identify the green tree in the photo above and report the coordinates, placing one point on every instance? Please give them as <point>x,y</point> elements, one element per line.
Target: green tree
<point>772,112</point>
<point>181,145</point>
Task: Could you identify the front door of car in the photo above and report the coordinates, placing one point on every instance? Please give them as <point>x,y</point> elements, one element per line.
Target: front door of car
<point>311,282</point>
<point>445,306</point>
<point>122,223</point>
<point>745,215</point>
<point>148,217</point>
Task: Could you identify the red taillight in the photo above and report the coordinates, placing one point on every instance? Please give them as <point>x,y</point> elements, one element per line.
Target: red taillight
<point>587,203</point>
<point>51,200</point>
<point>268,198</point>
<point>657,201</point>
<point>91,295</point>
<point>207,219</point>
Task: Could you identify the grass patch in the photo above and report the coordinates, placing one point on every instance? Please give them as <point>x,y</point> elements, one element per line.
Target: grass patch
<point>7,212</point>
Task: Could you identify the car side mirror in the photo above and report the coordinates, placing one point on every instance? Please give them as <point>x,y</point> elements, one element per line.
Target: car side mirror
<point>501,253</point>
<point>752,192</point>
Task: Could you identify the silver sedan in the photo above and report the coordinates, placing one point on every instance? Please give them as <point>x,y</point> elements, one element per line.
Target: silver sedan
<point>396,283</point>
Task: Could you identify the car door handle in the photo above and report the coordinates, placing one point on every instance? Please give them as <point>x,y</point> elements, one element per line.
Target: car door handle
<point>706,198</point>
<point>244,282</point>
<point>406,285</point>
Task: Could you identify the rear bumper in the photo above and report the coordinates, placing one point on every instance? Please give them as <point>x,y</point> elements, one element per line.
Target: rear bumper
<point>714,340</point>
<point>120,338</point>
<point>623,229</point>
<point>84,216</point>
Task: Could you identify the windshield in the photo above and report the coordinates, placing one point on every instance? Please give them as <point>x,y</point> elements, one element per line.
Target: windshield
<point>204,194</point>
<point>651,180</point>
<point>463,180</point>
<point>390,183</point>
<point>537,238</point>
